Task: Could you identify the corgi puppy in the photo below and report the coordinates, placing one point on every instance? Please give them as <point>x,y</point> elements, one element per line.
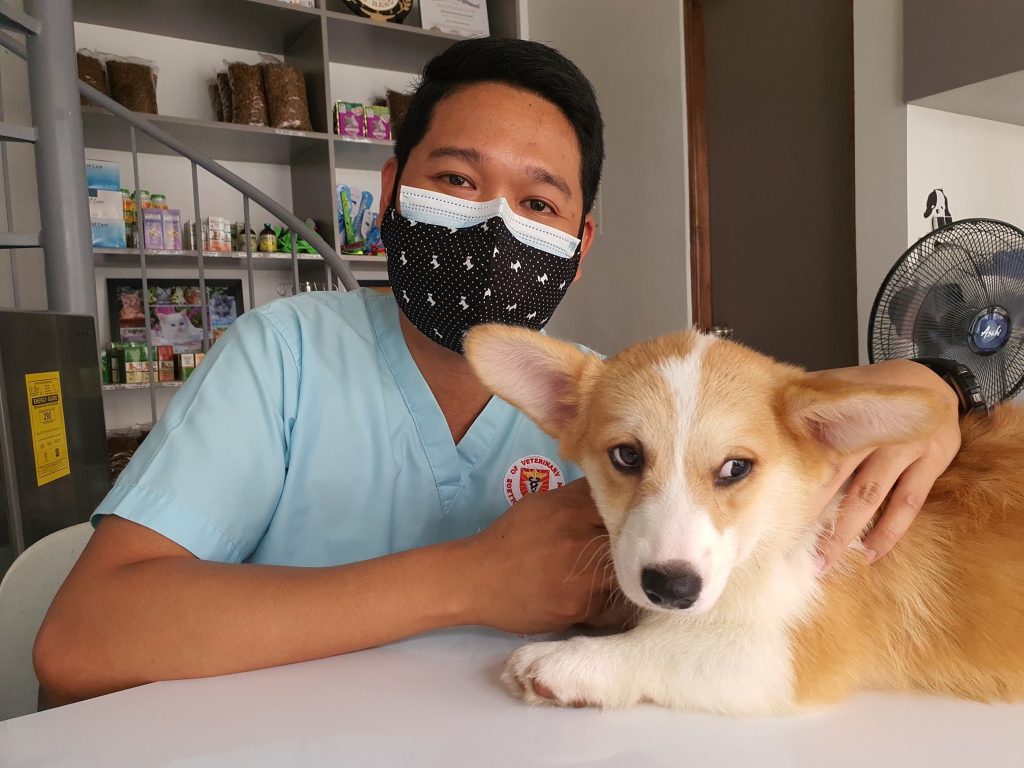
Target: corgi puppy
<point>704,459</point>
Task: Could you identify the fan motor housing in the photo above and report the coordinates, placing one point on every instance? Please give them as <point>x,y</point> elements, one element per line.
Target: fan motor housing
<point>990,330</point>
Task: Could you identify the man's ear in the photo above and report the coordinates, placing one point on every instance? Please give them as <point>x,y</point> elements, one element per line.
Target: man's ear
<point>539,375</point>
<point>849,418</point>
<point>387,184</point>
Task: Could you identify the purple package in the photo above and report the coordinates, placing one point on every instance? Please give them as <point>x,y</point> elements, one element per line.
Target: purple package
<point>378,123</point>
<point>153,228</point>
<point>349,119</point>
<point>172,229</point>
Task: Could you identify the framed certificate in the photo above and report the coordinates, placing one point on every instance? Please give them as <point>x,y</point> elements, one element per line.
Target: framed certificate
<point>458,17</point>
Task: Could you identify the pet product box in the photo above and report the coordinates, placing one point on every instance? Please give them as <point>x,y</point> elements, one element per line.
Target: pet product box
<point>106,206</point>
<point>172,229</point>
<point>103,174</point>
<point>153,228</point>
<point>378,123</point>
<point>349,119</point>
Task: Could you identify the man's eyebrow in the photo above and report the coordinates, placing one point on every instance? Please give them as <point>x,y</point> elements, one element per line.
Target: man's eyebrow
<point>544,176</point>
<point>463,153</point>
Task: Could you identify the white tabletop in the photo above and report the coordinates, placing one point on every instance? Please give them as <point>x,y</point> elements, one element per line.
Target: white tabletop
<point>436,701</point>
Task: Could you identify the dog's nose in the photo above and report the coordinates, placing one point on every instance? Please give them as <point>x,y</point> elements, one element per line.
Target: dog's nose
<point>673,584</point>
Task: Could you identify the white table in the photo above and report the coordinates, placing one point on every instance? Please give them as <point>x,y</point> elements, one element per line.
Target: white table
<point>436,701</point>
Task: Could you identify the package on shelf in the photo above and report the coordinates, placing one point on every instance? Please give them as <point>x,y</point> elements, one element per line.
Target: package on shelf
<point>378,122</point>
<point>172,228</point>
<point>153,228</point>
<point>349,119</point>
<point>216,234</point>
<point>106,206</point>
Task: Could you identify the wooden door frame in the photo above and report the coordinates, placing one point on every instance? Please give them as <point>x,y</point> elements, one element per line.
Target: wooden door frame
<point>697,163</point>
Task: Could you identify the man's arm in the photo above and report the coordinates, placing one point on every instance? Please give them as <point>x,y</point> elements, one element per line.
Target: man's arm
<point>138,608</point>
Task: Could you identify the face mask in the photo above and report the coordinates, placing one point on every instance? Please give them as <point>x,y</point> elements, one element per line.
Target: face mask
<point>455,263</point>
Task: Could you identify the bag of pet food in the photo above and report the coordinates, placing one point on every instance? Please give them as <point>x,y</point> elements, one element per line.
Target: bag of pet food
<point>248,99</point>
<point>286,96</point>
<point>90,70</point>
<point>133,83</point>
<point>226,101</point>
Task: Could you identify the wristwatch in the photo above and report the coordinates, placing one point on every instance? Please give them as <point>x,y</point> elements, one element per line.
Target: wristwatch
<point>961,380</point>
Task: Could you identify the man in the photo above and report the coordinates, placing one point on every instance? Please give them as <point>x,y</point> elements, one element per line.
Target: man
<point>334,477</point>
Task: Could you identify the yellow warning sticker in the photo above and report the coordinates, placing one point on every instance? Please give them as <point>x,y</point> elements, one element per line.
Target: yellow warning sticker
<point>46,415</point>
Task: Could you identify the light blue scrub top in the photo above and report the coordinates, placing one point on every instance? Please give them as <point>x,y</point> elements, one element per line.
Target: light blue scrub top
<point>309,437</point>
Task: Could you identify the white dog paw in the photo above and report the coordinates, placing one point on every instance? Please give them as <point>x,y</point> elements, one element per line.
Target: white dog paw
<point>569,673</point>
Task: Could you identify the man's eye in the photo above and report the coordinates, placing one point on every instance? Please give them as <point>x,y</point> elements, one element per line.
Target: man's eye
<point>457,181</point>
<point>538,206</point>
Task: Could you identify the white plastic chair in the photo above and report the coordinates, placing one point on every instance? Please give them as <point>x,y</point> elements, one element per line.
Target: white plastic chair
<point>25,595</point>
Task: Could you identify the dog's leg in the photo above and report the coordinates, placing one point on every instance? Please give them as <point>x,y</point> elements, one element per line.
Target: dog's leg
<point>665,661</point>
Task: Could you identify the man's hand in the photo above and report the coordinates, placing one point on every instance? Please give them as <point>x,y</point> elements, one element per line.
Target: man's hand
<point>543,565</point>
<point>908,471</point>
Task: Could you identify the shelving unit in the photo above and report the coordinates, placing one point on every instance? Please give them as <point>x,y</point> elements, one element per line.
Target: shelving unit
<point>325,43</point>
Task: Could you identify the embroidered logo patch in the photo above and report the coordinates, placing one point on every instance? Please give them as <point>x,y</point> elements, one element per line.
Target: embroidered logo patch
<point>531,474</point>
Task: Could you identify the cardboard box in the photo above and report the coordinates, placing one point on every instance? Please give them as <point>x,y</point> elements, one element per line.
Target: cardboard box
<point>103,174</point>
<point>165,363</point>
<point>153,228</point>
<point>172,229</point>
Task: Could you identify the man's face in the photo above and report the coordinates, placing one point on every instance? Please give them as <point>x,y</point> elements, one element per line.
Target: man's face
<point>488,141</point>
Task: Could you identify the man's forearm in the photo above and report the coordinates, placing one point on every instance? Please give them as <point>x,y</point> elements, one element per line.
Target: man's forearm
<point>179,617</point>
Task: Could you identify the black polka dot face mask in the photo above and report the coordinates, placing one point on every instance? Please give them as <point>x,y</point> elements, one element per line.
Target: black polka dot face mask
<point>456,263</point>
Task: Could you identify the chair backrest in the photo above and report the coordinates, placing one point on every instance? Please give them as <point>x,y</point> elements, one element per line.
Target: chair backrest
<point>25,595</point>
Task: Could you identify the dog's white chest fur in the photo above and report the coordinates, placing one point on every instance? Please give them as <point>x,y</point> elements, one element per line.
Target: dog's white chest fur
<point>737,659</point>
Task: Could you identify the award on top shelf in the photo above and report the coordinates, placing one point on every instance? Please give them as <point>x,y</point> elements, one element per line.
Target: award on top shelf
<point>381,10</point>
<point>467,18</point>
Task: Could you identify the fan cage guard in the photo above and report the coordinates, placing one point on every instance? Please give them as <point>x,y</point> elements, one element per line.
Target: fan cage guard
<point>931,299</point>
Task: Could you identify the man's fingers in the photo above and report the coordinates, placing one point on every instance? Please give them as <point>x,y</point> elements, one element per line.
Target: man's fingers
<point>865,494</point>
<point>906,501</point>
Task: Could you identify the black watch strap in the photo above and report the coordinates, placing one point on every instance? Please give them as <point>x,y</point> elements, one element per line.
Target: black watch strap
<point>961,380</point>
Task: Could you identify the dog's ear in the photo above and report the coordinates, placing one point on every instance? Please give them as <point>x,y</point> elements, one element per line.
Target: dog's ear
<point>849,417</point>
<point>539,375</point>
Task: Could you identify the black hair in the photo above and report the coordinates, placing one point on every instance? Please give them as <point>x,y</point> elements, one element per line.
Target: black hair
<point>521,64</point>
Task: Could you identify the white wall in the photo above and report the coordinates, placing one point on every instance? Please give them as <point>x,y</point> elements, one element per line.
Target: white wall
<point>979,163</point>
<point>880,149</point>
<point>636,279</point>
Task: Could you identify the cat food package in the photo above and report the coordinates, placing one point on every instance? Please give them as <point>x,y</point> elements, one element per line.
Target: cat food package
<point>153,229</point>
<point>248,97</point>
<point>287,106</point>
<point>136,363</point>
<point>349,119</point>
<point>90,70</point>
<point>133,83</point>
<point>165,362</point>
<point>378,122</point>
<point>186,365</point>
<point>171,229</point>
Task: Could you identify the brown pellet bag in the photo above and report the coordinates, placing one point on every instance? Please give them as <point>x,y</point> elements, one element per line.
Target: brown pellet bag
<point>90,70</point>
<point>248,102</point>
<point>133,84</point>
<point>286,97</point>
<point>224,88</point>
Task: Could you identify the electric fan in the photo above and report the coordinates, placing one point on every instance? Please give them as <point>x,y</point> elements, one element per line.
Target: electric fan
<point>958,293</point>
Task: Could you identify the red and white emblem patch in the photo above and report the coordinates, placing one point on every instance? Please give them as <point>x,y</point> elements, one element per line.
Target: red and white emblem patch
<point>531,474</point>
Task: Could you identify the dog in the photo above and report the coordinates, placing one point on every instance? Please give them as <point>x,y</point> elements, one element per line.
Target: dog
<point>704,459</point>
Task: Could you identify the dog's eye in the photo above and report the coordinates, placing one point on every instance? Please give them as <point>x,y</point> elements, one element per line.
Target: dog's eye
<point>734,469</point>
<point>626,457</point>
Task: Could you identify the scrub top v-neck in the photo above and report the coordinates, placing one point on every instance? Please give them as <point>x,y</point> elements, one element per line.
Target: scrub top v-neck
<point>309,437</point>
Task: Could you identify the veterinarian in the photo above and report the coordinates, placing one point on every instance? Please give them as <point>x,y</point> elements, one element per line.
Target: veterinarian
<point>333,477</point>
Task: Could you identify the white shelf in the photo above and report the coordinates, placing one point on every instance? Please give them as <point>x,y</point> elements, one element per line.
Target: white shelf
<point>157,384</point>
<point>363,258</point>
<point>119,257</point>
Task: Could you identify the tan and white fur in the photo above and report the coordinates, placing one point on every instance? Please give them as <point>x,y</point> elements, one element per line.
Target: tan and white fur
<point>766,633</point>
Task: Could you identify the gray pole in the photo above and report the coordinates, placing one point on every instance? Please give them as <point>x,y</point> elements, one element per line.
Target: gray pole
<point>60,160</point>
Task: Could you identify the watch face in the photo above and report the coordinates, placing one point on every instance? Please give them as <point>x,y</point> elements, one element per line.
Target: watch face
<point>381,10</point>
